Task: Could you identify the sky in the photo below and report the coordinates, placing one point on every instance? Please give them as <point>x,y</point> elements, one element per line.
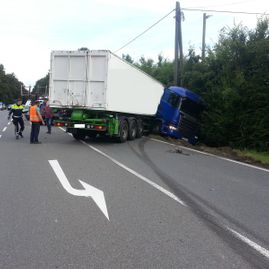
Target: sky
<point>31,29</point>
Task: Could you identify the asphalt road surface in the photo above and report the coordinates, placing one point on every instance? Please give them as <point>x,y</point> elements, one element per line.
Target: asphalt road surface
<point>142,204</point>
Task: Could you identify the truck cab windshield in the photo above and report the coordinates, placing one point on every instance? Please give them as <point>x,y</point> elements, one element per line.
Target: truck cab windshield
<point>191,108</point>
<point>174,100</point>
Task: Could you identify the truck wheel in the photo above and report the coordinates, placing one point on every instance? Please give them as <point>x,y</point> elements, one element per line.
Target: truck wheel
<point>140,129</point>
<point>132,130</point>
<point>79,136</point>
<point>123,133</point>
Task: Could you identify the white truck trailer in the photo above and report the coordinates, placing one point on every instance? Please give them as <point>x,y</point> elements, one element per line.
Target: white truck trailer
<point>96,92</point>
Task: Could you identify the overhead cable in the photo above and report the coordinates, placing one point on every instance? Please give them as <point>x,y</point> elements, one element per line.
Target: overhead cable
<point>224,11</point>
<point>144,31</point>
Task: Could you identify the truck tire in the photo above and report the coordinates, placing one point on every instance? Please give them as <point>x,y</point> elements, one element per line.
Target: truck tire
<point>132,129</point>
<point>123,132</point>
<point>140,129</point>
<point>79,135</point>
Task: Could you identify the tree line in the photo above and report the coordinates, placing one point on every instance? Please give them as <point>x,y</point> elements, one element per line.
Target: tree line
<point>10,87</point>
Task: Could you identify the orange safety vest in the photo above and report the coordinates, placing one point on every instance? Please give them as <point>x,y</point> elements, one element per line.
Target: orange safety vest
<point>33,114</point>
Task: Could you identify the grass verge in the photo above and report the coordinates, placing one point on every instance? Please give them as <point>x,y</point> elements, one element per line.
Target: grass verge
<point>263,157</point>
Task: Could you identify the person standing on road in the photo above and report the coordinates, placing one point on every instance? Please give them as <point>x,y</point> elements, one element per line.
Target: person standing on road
<point>17,117</point>
<point>36,119</point>
<point>43,104</point>
<point>48,114</point>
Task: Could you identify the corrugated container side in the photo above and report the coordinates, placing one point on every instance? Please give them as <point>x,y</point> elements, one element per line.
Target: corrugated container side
<point>100,80</point>
<point>68,79</point>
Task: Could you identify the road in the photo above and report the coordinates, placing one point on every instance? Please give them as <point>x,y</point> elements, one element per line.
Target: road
<point>159,209</point>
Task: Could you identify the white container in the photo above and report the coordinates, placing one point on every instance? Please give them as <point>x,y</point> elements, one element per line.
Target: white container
<point>99,80</point>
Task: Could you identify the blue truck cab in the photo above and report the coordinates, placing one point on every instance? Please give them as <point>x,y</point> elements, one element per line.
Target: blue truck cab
<point>179,113</point>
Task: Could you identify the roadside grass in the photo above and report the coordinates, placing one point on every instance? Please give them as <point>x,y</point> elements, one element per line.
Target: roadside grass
<point>258,156</point>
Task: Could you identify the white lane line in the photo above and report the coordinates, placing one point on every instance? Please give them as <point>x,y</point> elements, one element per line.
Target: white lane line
<point>65,131</point>
<point>213,155</point>
<point>9,123</point>
<point>153,184</point>
<point>4,129</point>
<point>0,136</point>
<point>252,244</point>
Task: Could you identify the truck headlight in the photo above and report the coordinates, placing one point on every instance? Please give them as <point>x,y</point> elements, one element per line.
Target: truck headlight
<point>173,128</point>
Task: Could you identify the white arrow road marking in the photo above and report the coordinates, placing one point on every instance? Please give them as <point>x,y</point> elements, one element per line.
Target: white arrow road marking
<point>89,191</point>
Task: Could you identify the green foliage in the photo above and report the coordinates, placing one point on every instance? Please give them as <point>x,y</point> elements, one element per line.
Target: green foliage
<point>10,86</point>
<point>258,156</point>
<point>234,82</point>
<point>162,70</point>
<point>41,86</point>
<point>127,58</point>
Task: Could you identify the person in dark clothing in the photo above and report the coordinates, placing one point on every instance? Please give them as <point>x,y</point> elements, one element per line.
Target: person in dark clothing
<point>17,117</point>
<point>47,113</point>
<point>36,119</point>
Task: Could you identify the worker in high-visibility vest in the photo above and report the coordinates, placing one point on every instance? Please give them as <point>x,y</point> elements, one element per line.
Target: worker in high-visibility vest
<point>36,119</point>
<point>17,117</point>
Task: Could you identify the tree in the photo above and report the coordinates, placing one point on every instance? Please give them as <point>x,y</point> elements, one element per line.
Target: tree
<point>10,86</point>
<point>127,58</point>
<point>41,86</point>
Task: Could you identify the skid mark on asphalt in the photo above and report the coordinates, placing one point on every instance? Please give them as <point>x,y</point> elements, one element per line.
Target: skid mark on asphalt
<point>241,244</point>
<point>145,179</point>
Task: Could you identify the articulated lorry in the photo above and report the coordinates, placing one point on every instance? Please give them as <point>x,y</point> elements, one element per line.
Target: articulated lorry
<point>94,92</point>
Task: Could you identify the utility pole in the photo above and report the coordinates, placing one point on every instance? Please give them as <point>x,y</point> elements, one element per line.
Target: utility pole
<point>203,38</point>
<point>178,47</point>
<point>29,92</point>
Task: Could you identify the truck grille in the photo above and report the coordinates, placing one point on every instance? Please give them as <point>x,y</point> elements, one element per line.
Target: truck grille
<point>188,127</point>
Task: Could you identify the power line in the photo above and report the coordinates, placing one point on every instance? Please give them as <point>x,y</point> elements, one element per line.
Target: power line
<point>224,11</point>
<point>227,4</point>
<point>144,31</point>
<point>190,9</point>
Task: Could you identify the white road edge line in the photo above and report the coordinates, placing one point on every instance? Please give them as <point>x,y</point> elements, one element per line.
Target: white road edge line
<point>4,129</point>
<point>213,155</point>
<point>64,131</point>
<point>252,244</point>
<point>153,184</point>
